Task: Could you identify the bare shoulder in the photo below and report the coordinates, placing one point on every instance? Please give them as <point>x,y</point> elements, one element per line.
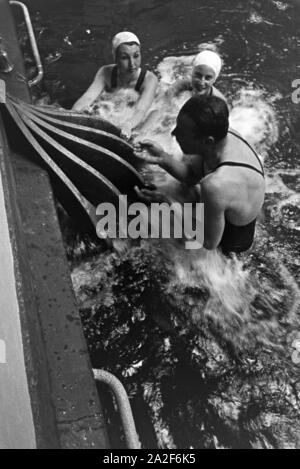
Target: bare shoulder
<point>105,70</point>
<point>214,190</point>
<point>151,77</point>
<point>150,84</point>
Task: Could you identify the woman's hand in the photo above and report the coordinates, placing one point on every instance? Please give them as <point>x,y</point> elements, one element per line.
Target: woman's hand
<point>149,151</point>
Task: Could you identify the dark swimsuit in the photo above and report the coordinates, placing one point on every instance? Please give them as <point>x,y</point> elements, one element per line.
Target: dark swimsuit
<point>239,238</point>
<point>114,79</point>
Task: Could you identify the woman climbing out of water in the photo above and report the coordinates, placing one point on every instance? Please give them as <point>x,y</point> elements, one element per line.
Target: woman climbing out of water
<point>207,66</point>
<point>229,171</point>
<point>125,73</point>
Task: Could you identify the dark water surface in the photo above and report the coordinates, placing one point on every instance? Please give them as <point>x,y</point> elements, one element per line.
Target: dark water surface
<point>206,347</point>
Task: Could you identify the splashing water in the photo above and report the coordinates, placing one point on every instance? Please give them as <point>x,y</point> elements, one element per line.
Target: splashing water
<point>253,116</point>
<point>233,291</point>
<point>115,107</point>
<point>183,324</point>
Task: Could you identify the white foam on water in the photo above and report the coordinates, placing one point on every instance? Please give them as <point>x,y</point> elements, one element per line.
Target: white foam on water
<point>287,211</point>
<point>226,280</point>
<point>254,117</point>
<point>280,5</point>
<point>171,69</point>
<point>115,107</point>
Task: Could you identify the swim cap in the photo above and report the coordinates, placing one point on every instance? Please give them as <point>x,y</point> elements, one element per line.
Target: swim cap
<point>210,59</point>
<point>122,38</point>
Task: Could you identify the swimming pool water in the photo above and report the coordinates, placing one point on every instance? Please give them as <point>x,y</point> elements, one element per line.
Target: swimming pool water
<point>203,345</point>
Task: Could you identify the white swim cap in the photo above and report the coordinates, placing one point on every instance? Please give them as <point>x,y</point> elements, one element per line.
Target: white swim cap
<point>210,59</point>
<point>122,38</point>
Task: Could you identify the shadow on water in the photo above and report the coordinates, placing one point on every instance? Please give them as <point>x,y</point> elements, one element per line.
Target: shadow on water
<point>207,347</point>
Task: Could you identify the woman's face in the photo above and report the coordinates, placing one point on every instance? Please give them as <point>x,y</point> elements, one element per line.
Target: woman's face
<point>128,58</point>
<point>203,78</point>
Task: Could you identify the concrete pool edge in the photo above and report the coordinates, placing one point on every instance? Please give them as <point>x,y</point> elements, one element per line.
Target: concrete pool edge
<point>66,411</point>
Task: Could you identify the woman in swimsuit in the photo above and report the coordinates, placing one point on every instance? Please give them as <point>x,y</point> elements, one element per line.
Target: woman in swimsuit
<point>206,70</point>
<point>229,171</point>
<point>126,73</point>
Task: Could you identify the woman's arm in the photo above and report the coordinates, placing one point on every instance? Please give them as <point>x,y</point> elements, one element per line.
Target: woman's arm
<point>148,91</point>
<point>92,92</point>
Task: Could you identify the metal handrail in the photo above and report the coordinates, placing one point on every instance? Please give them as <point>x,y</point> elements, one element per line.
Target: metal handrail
<point>33,43</point>
<point>118,389</point>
